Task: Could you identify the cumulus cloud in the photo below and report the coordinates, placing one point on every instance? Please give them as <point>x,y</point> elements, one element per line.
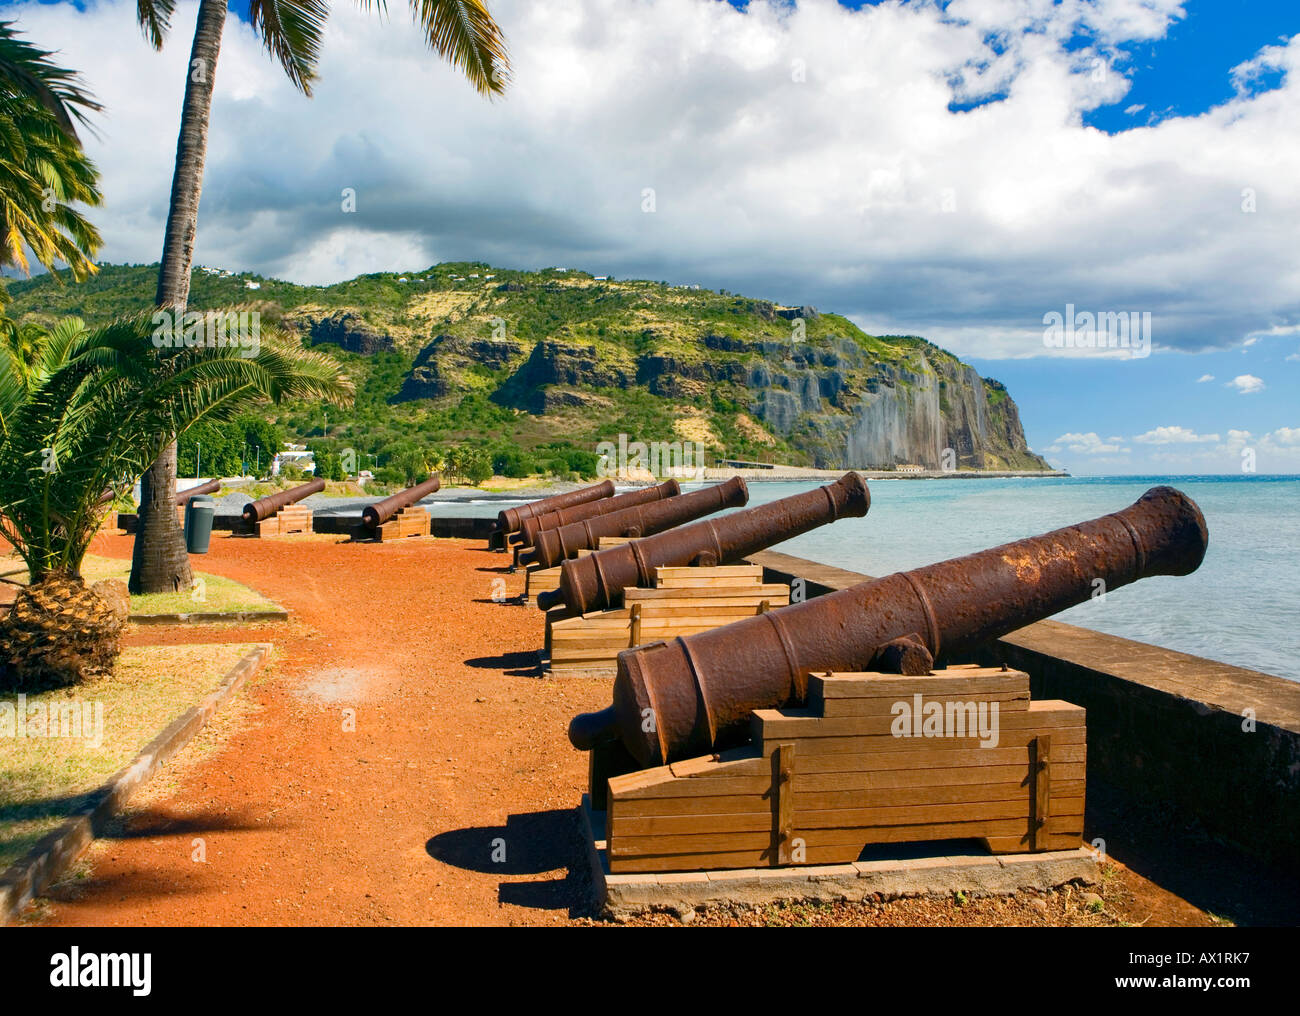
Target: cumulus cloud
<point>1246,384</point>
<point>1085,444</point>
<point>809,154</point>
<point>1204,378</point>
<point>1174,435</point>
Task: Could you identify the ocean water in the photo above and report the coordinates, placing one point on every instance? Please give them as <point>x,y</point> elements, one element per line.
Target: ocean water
<point>1242,606</point>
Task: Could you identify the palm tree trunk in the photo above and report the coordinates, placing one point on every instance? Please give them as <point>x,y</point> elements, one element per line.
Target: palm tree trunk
<point>159,562</point>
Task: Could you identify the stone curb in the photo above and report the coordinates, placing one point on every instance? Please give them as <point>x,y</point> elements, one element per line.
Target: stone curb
<point>56,852</point>
<point>236,617</point>
<point>976,875</point>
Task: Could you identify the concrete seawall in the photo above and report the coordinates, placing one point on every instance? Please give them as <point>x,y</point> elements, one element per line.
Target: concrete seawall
<point>1218,743</point>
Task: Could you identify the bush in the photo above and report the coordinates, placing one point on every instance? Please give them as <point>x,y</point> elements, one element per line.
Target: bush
<point>513,463</point>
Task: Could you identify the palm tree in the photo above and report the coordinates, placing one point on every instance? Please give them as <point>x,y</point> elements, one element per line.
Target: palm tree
<point>82,413</point>
<point>460,31</point>
<point>42,167</point>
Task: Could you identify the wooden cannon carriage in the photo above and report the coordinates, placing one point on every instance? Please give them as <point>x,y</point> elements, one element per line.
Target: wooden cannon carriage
<point>681,602</point>
<point>806,733</point>
<point>282,514</point>
<point>818,784</point>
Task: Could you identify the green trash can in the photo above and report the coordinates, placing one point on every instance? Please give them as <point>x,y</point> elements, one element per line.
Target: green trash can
<point>198,523</point>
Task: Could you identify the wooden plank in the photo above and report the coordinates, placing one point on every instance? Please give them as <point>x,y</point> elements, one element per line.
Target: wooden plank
<point>940,682</point>
<point>822,800</point>
<point>783,760</point>
<point>712,767</point>
<point>669,573</point>
<point>1008,699</point>
<point>921,747</point>
<point>690,595</point>
<point>967,811</point>
<point>936,759</point>
<point>913,779</point>
<point>854,838</point>
<point>1039,766</point>
<point>776,725</point>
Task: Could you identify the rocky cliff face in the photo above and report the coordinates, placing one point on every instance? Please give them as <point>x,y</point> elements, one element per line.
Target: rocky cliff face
<point>830,400</point>
<point>345,329</point>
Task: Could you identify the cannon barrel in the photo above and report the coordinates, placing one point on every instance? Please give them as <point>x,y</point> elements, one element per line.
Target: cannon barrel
<point>375,515</point>
<point>211,487</point>
<point>512,519</point>
<point>591,509</point>
<point>265,507</point>
<point>701,689</point>
<point>598,580</point>
<point>554,545</point>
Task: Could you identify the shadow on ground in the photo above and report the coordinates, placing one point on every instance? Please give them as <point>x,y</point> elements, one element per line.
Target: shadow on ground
<point>534,843</point>
<point>523,664</point>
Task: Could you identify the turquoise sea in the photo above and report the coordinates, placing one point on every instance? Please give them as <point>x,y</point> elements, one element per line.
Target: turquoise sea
<point>1242,606</point>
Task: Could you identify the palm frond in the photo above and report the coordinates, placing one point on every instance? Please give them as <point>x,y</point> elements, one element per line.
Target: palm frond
<point>28,71</point>
<point>155,19</point>
<point>89,410</point>
<point>291,31</point>
<point>464,33</point>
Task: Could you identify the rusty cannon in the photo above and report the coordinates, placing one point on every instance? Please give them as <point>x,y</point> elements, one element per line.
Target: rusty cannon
<point>210,487</point>
<point>265,507</point>
<point>593,509</point>
<point>375,515</point>
<point>694,695</point>
<point>512,519</point>
<point>554,545</point>
<point>598,580</point>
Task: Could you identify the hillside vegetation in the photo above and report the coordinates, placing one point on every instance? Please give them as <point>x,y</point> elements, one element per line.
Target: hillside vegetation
<point>533,369</point>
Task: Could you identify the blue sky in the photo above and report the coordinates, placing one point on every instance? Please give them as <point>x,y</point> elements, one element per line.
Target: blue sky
<point>956,170</point>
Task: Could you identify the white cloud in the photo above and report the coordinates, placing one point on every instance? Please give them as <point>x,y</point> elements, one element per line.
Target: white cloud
<point>1204,378</point>
<point>855,189</point>
<point>1246,384</point>
<point>1175,435</point>
<point>1085,444</point>
<point>1288,436</point>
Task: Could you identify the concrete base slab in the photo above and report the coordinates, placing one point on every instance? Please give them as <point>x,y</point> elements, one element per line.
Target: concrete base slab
<point>891,875</point>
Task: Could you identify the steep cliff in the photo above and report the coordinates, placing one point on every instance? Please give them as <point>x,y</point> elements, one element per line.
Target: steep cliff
<point>466,353</point>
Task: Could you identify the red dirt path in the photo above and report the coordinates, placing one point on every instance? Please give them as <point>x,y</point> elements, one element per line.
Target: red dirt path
<point>458,750</point>
<point>305,823</point>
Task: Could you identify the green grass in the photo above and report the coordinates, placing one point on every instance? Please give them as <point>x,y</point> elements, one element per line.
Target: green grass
<point>212,595</point>
<point>44,779</point>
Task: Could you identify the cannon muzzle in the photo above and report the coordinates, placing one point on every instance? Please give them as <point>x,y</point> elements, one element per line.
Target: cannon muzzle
<point>554,545</point>
<point>510,520</point>
<point>211,487</point>
<point>694,695</point>
<point>265,507</point>
<point>593,509</point>
<point>598,580</point>
<point>375,515</point>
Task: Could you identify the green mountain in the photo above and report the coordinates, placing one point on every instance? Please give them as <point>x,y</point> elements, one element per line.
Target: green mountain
<point>537,367</point>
